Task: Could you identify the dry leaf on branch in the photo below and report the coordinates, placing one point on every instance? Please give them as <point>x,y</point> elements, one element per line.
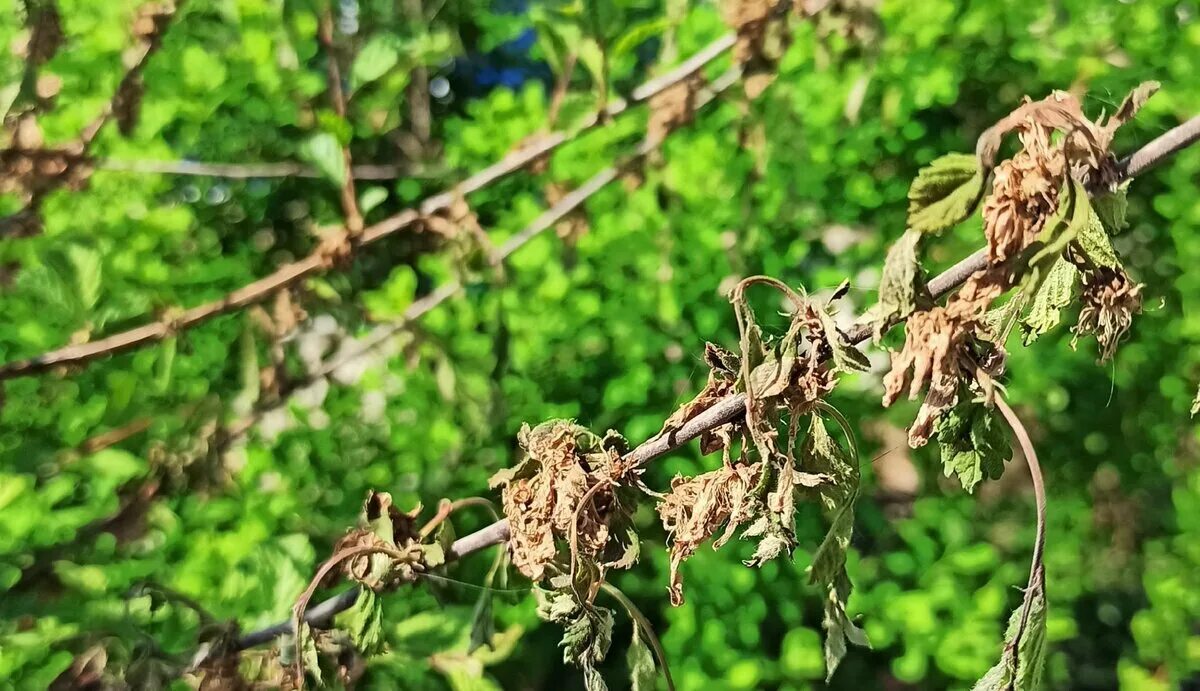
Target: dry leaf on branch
<point>1110,299</point>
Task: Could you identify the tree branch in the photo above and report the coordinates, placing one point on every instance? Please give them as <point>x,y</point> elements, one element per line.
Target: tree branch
<point>732,407</point>
<point>318,262</point>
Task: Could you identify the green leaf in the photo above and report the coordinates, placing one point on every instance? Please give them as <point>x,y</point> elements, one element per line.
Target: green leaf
<point>1052,296</point>
<point>587,631</point>
<point>1092,239</point>
<point>308,651</point>
<point>638,34</point>
<point>944,193</point>
<point>1030,649</point>
<point>1112,209</point>
<point>364,622</point>
<point>642,673</point>
<point>828,568</point>
<point>1196,403</point>
<point>166,364</point>
<point>88,272</point>
<point>846,358</point>
<point>371,198</point>
<point>375,59</point>
<point>898,286</point>
<point>323,151</point>
<point>974,444</point>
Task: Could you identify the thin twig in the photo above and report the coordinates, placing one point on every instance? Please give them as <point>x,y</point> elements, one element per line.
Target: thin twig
<point>337,98</point>
<point>292,274</point>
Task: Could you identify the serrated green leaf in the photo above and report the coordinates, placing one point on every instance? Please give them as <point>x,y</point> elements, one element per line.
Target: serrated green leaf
<point>898,285</point>
<point>828,568</point>
<point>1093,240</point>
<point>944,193</point>
<point>1031,651</point>
<point>974,444</point>
<point>323,151</point>
<point>1051,298</point>
<point>375,59</point>
<point>642,673</point>
<point>308,651</point>
<point>364,622</point>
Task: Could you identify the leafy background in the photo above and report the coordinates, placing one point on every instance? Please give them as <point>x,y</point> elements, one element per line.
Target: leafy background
<point>807,184</point>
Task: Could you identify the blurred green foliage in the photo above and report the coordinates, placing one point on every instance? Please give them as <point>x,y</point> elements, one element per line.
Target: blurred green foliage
<point>807,184</point>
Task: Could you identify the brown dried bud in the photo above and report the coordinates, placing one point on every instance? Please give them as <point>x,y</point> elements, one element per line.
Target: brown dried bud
<point>1110,299</point>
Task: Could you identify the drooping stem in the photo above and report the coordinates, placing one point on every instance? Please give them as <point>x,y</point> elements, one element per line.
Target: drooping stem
<point>642,623</point>
<point>1037,569</point>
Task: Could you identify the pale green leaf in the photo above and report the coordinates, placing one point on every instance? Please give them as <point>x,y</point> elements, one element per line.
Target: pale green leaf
<point>974,444</point>
<point>1051,298</point>
<point>1093,240</point>
<point>1196,403</point>
<point>642,673</point>
<point>375,59</point>
<point>898,285</point>
<point>944,193</point>
<point>88,269</point>
<point>371,198</point>
<point>323,151</point>
<point>1030,655</point>
<point>364,622</point>
<point>1112,208</point>
<point>828,568</point>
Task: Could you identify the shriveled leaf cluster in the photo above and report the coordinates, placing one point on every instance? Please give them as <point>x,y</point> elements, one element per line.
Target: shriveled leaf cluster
<point>570,487</point>
<point>761,476</point>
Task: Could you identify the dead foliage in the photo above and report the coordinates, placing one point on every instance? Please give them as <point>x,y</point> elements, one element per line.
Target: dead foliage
<point>570,487</point>
<point>1110,299</point>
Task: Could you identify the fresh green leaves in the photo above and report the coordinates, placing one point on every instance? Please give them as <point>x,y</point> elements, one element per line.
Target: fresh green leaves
<point>973,442</point>
<point>1022,664</point>
<point>944,193</point>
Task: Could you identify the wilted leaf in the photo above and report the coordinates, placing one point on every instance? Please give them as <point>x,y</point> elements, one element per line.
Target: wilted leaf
<point>1030,649</point>
<point>1113,208</point>
<point>364,622</point>
<point>974,444</point>
<point>642,673</point>
<point>323,151</point>
<point>1050,299</point>
<point>587,632</point>
<point>828,567</point>
<point>897,286</point>
<point>944,193</point>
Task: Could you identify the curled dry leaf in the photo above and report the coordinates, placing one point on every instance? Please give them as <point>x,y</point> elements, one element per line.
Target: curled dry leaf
<point>1025,190</point>
<point>762,38</point>
<point>1110,299</point>
<point>567,487</point>
<point>697,507</point>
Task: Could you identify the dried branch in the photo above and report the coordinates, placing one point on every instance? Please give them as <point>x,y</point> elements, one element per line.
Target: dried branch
<point>319,261</point>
